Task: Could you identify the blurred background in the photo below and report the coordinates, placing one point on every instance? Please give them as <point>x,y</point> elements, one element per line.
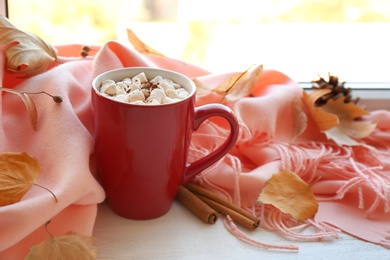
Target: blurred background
<point>301,38</point>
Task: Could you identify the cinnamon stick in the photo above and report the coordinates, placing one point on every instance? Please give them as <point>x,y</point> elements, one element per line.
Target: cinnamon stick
<point>197,206</point>
<point>224,206</point>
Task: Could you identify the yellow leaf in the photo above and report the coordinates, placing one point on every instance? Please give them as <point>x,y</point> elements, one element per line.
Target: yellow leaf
<point>30,105</point>
<point>228,84</point>
<point>323,119</point>
<point>29,54</point>
<point>240,84</point>
<point>18,172</point>
<point>291,195</point>
<point>70,247</point>
<point>140,45</point>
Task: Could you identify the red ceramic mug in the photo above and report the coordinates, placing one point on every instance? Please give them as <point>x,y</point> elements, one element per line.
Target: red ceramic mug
<point>142,150</point>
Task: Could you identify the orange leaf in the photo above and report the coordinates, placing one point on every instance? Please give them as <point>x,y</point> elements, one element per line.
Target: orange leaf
<point>291,195</point>
<point>140,45</point>
<point>30,54</point>
<point>70,246</point>
<point>323,119</point>
<point>18,172</point>
<point>30,105</point>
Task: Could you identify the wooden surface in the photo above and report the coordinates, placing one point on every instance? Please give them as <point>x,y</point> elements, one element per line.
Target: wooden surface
<point>181,235</point>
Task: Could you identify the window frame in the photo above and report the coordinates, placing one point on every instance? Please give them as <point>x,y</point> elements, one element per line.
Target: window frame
<point>373,99</point>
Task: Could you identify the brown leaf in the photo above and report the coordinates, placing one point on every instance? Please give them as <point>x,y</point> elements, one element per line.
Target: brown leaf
<point>70,247</point>
<point>30,105</point>
<point>29,55</point>
<point>18,172</point>
<point>339,120</point>
<point>324,120</point>
<point>240,84</point>
<point>291,195</point>
<point>140,45</point>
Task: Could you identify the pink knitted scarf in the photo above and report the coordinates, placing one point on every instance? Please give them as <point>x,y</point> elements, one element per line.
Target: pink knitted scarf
<point>350,183</point>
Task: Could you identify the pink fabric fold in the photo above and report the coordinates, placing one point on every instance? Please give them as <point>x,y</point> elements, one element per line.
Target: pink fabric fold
<point>63,144</point>
<point>354,182</point>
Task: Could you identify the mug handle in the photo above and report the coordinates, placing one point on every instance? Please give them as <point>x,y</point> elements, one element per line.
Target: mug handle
<point>201,114</point>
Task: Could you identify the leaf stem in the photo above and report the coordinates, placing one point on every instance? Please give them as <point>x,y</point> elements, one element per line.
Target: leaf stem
<point>63,59</point>
<point>57,99</point>
<point>47,230</point>
<point>40,186</point>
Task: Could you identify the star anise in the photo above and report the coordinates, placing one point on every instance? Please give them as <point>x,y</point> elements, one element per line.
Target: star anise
<point>338,90</point>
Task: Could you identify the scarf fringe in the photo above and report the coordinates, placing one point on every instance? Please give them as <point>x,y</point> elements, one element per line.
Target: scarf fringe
<point>273,219</point>
<point>232,228</point>
<point>347,164</point>
<point>359,169</point>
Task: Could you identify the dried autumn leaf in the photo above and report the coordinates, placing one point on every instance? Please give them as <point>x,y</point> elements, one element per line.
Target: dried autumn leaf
<point>18,172</point>
<point>30,105</point>
<point>70,247</point>
<point>324,120</point>
<point>338,118</point>
<point>299,117</point>
<point>339,137</point>
<point>29,55</point>
<point>347,114</point>
<point>240,84</point>
<point>291,195</point>
<point>140,45</point>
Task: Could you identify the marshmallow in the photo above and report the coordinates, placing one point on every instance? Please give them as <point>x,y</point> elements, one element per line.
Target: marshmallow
<point>141,91</point>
